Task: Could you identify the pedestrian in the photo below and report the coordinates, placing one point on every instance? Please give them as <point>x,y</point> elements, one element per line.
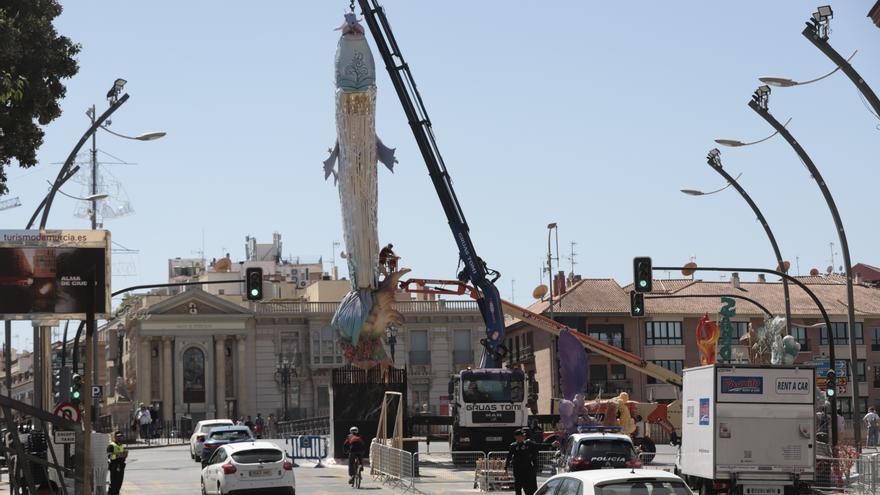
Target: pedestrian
<point>145,422</point>
<point>116,454</point>
<point>154,420</point>
<point>259,425</point>
<point>872,422</point>
<point>273,426</point>
<point>523,454</point>
<point>249,424</point>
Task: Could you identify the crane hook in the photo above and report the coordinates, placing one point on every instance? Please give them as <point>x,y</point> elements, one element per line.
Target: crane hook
<point>351,5</point>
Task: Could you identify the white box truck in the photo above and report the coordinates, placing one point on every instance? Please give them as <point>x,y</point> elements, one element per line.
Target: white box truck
<point>748,430</point>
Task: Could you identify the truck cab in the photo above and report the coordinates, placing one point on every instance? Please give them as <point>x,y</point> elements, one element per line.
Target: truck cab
<point>487,405</point>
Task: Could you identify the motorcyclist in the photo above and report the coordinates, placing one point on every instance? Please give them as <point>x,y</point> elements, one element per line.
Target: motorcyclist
<point>354,448</point>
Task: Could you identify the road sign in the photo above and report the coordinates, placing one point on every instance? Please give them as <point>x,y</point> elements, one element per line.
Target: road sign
<point>65,436</point>
<point>841,389</point>
<point>822,364</point>
<point>67,411</point>
<point>97,391</point>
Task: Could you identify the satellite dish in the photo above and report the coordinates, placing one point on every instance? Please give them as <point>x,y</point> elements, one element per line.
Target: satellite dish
<point>784,267</point>
<point>829,269</point>
<point>689,269</point>
<point>540,291</point>
<point>814,272</point>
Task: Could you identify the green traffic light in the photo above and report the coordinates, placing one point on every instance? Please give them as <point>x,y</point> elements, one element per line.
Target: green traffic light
<point>76,395</point>
<point>643,283</point>
<point>255,292</point>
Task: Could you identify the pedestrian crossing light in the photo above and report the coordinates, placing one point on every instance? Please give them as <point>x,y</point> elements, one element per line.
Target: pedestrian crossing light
<point>636,304</point>
<point>254,283</point>
<point>642,274</point>
<point>831,384</point>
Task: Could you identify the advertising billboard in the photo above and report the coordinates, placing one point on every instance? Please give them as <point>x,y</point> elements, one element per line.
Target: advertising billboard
<point>45,274</point>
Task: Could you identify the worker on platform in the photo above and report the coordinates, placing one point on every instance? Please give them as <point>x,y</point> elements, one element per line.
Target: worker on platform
<point>388,260</point>
<point>523,454</point>
<point>116,454</point>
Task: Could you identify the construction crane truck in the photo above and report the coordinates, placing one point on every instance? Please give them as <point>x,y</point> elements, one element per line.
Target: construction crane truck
<point>492,400</point>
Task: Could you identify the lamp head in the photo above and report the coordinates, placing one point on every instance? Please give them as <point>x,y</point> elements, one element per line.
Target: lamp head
<point>733,143</point>
<point>692,192</point>
<point>779,82</point>
<point>551,225</point>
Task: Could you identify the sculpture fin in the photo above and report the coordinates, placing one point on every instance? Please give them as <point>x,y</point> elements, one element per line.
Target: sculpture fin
<point>385,154</point>
<point>330,163</point>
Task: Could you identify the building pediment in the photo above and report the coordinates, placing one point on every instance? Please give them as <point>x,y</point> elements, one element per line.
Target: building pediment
<point>196,302</point>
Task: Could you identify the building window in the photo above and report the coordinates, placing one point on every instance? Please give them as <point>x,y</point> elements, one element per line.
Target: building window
<point>800,333</point>
<point>876,375</point>
<point>739,328</point>
<point>663,333</point>
<point>419,401</point>
<point>578,323</point>
<point>675,365</point>
<point>875,339</point>
<point>418,347</point>
<point>610,334</point>
<point>845,406</point>
<point>289,345</point>
<point>325,349</point>
<point>860,370</point>
<point>323,401</point>
<point>618,372</point>
<point>193,375</point>
<point>841,334</point>
<point>462,353</point>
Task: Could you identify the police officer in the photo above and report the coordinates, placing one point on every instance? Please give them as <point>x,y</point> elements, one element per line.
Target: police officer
<point>117,454</point>
<point>523,454</point>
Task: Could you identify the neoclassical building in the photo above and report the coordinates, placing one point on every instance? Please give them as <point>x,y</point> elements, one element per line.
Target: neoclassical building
<point>203,355</point>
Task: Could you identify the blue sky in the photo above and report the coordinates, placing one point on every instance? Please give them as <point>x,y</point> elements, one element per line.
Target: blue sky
<point>592,115</point>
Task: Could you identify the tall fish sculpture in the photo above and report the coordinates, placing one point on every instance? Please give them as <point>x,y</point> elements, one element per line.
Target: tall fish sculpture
<point>367,310</point>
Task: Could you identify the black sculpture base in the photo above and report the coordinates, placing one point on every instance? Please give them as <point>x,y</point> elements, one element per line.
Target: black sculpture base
<point>356,400</point>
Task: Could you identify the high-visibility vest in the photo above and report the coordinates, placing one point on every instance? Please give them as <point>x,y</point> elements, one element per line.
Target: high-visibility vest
<point>118,449</point>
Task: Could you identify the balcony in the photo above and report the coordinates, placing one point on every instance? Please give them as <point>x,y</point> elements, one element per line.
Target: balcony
<point>611,387</point>
<point>620,343</point>
<point>521,355</point>
<point>302,307</point>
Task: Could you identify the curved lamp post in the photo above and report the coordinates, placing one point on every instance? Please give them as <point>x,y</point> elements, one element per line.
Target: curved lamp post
<point>735,143</point>
<point>783,82</point>
<point>147,136</point>
<point>759,103</point>
<point>714,161</point>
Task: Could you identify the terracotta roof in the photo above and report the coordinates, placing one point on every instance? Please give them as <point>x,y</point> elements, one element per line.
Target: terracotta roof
<point>606,296</point>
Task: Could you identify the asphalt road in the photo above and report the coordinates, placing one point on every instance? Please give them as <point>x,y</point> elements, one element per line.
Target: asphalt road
<point>169,470</point>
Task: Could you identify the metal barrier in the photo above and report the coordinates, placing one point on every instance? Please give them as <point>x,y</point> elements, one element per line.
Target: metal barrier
<point>391,466</point>
<point>308,447</point>
<point>492,475</point>
<point>310,426</point>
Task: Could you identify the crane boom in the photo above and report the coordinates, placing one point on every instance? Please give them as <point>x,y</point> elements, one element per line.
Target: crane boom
<point>628,359</point>
<point>476,271</point>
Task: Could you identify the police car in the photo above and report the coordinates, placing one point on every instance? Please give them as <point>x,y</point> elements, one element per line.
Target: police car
<point>597,448</point>
<point>615,482</point>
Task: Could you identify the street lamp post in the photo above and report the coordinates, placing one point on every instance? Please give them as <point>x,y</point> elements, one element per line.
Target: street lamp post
<point>391,339</point>
<point>714,161</point>
<point>284,371</point>
<point>759,103</point>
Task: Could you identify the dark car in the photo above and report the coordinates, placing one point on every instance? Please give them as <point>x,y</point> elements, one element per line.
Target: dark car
<point>583,451</point>
<point>223,435</point>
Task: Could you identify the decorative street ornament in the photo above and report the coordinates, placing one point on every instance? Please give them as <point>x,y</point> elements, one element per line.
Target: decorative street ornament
<point>707,339</point>
<point>728,310</point>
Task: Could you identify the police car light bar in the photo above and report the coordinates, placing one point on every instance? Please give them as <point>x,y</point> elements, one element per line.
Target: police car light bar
<point>599,429</point>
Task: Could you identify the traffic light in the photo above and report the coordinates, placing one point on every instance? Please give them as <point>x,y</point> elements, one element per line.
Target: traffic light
<point>62,385</point>
<point>254,283</point>
<point>636,304</point>
<point>76,386</point>
<point>831,384</point>
<point>642,274</point>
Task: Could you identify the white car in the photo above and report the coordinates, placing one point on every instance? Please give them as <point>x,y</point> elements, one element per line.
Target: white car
<point>200,432</point>
<point>245,466</point>
<point>615,482</point>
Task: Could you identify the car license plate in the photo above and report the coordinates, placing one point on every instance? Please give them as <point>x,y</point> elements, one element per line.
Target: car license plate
<point>260,473</point>
<point>493,439</point>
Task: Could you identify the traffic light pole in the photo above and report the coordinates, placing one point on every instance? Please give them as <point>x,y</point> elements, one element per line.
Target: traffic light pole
<point>812,296</point>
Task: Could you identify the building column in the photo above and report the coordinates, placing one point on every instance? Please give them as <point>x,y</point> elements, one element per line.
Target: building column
<point>220,375</point>
<point>144,384</point>
<point>240,391</point>
<point>167,389</point>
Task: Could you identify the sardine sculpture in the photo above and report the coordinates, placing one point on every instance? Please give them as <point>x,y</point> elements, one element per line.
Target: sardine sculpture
<point>367,310</point>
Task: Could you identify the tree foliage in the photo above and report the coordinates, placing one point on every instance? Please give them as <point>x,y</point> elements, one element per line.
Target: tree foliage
<point>34,59</point>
